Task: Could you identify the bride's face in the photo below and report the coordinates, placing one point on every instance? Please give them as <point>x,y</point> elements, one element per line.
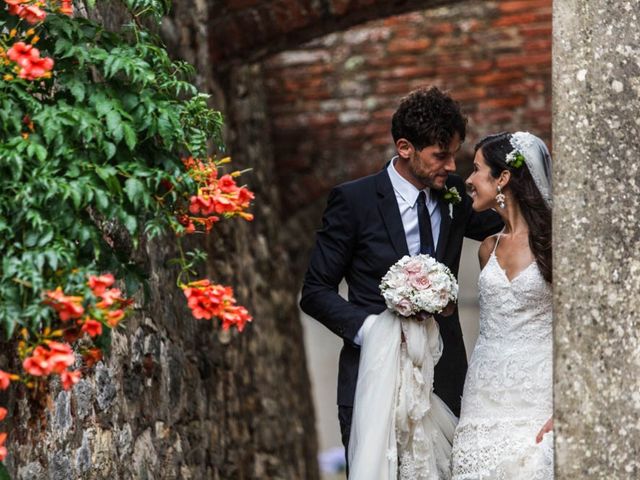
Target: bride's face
<point>482,187</point>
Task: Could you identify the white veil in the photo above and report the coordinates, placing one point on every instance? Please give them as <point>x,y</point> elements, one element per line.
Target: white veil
<point>538,160</point>
<point>401,430</point>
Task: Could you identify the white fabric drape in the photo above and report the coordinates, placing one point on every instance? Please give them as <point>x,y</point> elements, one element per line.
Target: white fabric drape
<point>400,428</point>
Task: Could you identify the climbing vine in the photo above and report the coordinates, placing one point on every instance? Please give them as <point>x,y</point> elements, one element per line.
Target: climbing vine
<point>103,141</point>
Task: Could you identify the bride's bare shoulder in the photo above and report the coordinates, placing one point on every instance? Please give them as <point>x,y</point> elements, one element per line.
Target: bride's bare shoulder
<point>486,247</point>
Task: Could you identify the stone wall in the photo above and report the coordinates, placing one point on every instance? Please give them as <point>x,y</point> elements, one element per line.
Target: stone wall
<point>331,100</point>
<point>175,398</point>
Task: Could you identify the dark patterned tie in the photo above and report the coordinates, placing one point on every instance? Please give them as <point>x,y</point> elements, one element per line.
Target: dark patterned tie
<point>424,224</point>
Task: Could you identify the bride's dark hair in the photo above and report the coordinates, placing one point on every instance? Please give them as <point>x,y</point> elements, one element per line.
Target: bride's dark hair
<point>495,149</point>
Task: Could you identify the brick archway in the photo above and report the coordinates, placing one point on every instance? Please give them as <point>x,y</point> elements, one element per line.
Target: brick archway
<point>248,30</point>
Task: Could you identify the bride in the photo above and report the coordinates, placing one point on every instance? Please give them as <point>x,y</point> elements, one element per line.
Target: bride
<point>504,431</point>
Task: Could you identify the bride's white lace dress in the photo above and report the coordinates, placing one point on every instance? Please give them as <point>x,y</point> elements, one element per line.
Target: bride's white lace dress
<point>508,390</point>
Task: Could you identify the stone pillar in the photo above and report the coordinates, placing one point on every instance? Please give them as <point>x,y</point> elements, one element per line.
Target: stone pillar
<point>596,89</point>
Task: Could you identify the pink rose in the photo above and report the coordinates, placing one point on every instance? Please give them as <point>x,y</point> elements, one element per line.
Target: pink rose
<point>420,282</point>
<point>412,267</point>
<point>403,307</point>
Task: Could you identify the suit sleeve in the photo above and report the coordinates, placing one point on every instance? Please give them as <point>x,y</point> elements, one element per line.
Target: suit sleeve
<point>332,253</point>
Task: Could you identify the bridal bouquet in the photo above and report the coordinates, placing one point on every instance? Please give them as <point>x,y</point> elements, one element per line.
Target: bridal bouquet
<point>418,283</point>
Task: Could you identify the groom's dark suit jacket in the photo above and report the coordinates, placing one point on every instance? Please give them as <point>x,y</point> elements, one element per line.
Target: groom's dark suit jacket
<point>361,237</point>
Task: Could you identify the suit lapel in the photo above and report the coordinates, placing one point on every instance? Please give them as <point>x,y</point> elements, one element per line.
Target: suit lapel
<point>388,206</point>
<point>445,226</point>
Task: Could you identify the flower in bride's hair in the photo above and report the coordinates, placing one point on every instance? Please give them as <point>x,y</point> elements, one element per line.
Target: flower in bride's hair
<point>515,159</point>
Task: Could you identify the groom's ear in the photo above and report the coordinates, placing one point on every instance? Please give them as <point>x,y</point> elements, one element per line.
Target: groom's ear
<point>404,148</point>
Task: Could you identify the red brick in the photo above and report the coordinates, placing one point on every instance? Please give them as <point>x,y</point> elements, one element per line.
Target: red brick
<point>464,95</point>
<point>461,67</point>
<point>522,5</point>
<point>393,60</point>
<point>536,30</point>
<point>383,141</point>
<point>394,87</point>
<point>520,19</point>
<point>407,31</point>
<point>498,77</point>
<point>406,45</point>
<point>384,114</point>
<point>523,60</point>
<point>495,117</point>
<point>448,42</point>
<point>495,103</point>
<point>409,72</point>
<point>440,28</point>
<point>376,129</point>
<point>541,44</point>
<point>318,94</point>
<point>351,132</point>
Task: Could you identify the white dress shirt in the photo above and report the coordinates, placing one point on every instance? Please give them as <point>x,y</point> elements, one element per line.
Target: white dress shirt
<point>407,198</point>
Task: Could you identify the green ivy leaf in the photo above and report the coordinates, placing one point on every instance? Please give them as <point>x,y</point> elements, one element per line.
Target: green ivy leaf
<point>130,223</point>
<point>45,238</point>
<point>114,124</point>
<point>109,150</point>
<point>77,90</point>
<point>130,137</point>
<point>102,199</point>
<point>135,190</point>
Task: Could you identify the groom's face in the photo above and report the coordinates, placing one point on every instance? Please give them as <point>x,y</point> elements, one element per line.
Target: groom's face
<point>431,166</point>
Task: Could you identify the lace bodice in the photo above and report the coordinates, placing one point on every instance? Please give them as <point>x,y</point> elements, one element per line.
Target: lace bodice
<point>518,310</point>
<point>508,390</point>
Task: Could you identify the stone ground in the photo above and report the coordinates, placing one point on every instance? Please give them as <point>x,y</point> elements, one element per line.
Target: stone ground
<point>323,348</point>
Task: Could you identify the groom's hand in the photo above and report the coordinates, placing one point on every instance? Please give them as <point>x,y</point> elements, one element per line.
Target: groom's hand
<point>448,310</point>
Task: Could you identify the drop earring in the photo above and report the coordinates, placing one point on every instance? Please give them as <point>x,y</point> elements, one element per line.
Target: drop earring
<point>500,198</point>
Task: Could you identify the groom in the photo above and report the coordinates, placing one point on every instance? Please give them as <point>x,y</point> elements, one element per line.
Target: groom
<point>370,223</point>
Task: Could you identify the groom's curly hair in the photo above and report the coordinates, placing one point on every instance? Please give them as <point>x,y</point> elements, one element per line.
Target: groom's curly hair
<point>428,116</point>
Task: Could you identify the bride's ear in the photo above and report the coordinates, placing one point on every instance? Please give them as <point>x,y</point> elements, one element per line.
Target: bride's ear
<point>503,179</point>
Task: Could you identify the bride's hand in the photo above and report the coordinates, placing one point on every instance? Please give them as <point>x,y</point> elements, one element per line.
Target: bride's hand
<point>546,428</point>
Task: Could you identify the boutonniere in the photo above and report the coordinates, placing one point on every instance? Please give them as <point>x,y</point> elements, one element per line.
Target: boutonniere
<point>452,197</point>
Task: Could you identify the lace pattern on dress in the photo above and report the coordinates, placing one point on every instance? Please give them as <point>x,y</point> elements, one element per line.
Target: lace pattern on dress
<point>508,390</point>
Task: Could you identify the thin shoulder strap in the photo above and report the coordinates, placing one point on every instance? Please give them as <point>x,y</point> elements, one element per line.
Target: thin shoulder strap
<point>499,234</point>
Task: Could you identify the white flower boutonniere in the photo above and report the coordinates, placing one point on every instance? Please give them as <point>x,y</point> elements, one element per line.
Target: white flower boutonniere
<point>452,197</point>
